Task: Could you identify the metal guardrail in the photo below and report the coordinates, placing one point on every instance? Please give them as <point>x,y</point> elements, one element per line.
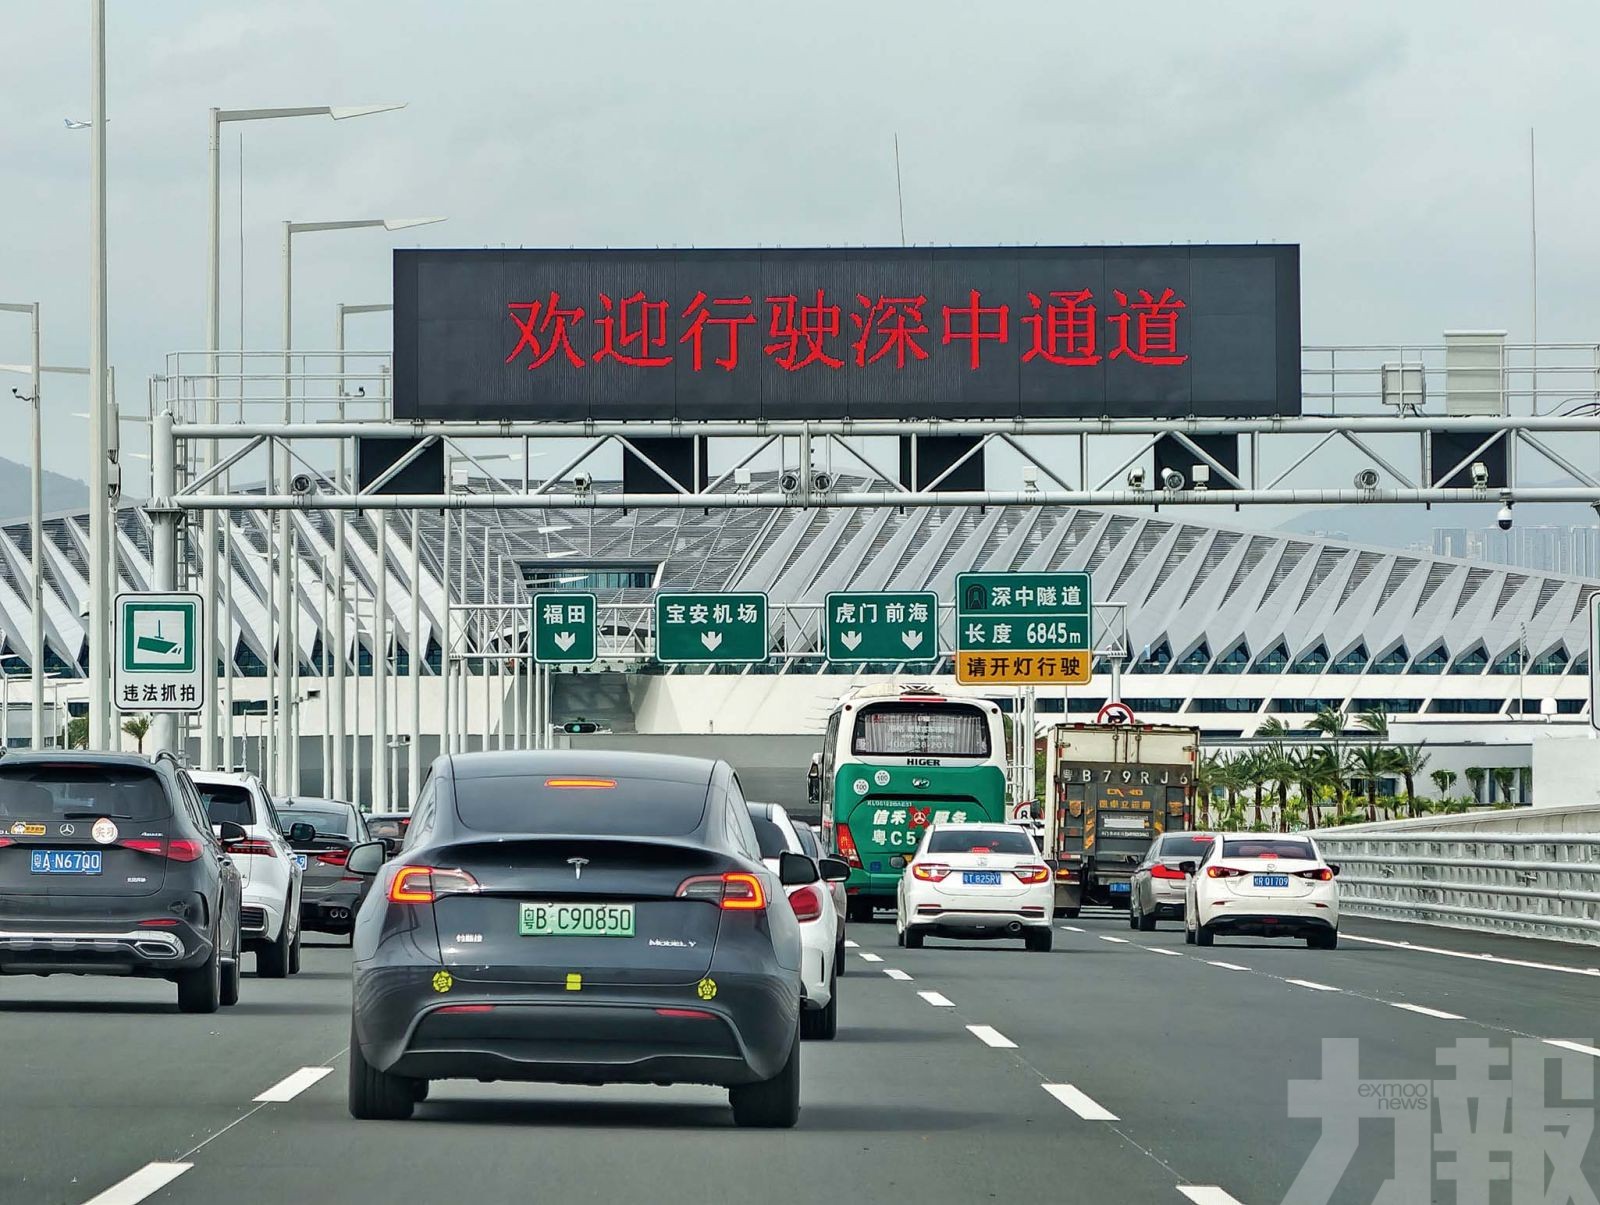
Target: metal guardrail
<point>1544,885</point>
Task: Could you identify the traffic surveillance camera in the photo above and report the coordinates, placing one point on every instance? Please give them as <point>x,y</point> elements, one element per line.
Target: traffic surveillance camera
<point>1136,478</point>
<point>821,481</point>
<point>582,482</point>
<point>789,481</point>
<point>1504,519</point>
<point>1480,475</point>
<point>1367,479</point>
<point>301,484</point>
<point>1171,479</point>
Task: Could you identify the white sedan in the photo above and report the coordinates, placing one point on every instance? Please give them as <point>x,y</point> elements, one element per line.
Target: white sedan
<point>976,881</point>
<point>1262,886</point>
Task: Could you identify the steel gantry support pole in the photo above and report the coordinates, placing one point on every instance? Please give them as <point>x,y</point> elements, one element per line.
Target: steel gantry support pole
<point>209,646</point>
<point>419,650</point>
<point>99,402</point>
<point>380,667</point>
<point>164,546</point>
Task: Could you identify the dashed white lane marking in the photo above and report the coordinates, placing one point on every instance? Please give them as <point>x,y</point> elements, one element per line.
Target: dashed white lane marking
<point>1227,966</point>
<point>1163,950</point>
<point>1079,1103</point>
<point>869,956</point>
<point>292,1085</point>
<point>1207,1194</point>
<point>991,1036</point>
<point>1072,928</point>
<point>1439,1014</point>
<point>850,945</point>
<point>152,1177</point>
<point>895,973</point>
<point>1579,1047</point>
<point>1471,957</point>
<point>1316,987</point>
<point>1121,941</point>
<point>938,999</point>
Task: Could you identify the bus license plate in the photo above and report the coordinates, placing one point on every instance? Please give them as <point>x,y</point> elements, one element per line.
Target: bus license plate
<point>981,878</point>
<point>1271,880</point>
<point>65,861</point>
<point>541,918</point>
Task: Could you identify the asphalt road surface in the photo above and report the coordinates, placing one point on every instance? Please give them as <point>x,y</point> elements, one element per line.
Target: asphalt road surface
<point>1122,1067</point>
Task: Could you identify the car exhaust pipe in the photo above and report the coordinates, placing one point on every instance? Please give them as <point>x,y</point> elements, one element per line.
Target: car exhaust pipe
<point>339,913</point>
<point>1014,927</point>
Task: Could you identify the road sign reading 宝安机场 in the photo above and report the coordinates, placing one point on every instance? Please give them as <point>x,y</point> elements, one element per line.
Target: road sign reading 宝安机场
<point>563,628</point>
<point>708,628</point>
<point>1024,629</point>
<point>864,332</point>
<point>158,664</point>
<point>897,626</point>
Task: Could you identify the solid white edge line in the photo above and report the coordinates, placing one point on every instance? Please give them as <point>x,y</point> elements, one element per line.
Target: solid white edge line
<point>1438,1014</point>
<point>1080,1103</point>
<point>1071,928</point>
<point>896,973</point>
<point>990,1036</point>
<point>938,999</point>
<point>152,1177</point>
<point>869,956</point>
<point>290,1086</point>
<point>1577,1047</point>
<point>1227,966</point>
<point>850,945</point>
<point>1121,941</point>
<point>1471,957</point>
<point>1316,987</point>
<point>1207,1194</point>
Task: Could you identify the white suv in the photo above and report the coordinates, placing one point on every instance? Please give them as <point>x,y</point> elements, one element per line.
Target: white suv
<point>269,919</point>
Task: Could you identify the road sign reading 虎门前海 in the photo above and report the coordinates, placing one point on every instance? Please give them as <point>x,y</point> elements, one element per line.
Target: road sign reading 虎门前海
<point>1024,629</point>
<point>707,628</point>
<point>896,627</point>
<point>563,628</point>
<point>158,666</point>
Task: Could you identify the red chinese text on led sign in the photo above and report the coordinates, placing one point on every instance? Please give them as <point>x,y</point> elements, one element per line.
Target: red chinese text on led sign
<point>1066,327</point>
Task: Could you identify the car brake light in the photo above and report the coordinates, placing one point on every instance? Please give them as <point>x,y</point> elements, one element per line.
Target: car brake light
<point>424,884</point>
<point>183,850</point>
<point>6,841</point>
<point>255,849</point>
<point>144,845</point>
<point>579,784</point>
<point>1321,874</point>
<point>929,872</point>
<point>159,922</point>
<point>686,1014</point>
<point>1158,871</point>
<point>334,857</point>
<point>735,891</point>
<point>847,846</point>
<point>467,1008</point>
<point>1223,872</point>
<point>806,902</point>
<point>1031,874</point>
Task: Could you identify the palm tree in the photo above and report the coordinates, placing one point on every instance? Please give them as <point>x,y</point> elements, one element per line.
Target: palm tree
<point>1375,721</point>
<point>1208,777</point>
<point>1444,781</point>
<point>1408,761</point>
<point>1504,778</point>
<point>1475,775</point>
<point>1330,722</point>
<point>1371,762</point>
<point>1252,766</point>
<point>137,726</point>
<point>1310,770</point>
<point>78,732</point>
<point>1277,766</point>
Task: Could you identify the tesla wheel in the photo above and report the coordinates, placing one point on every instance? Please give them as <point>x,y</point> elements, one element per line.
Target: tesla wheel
<point>912,938</point>
<point>772,1104</point>
<point>1203,936</point>
<point>272,959</point>
<point>376,1095</point>
<point>821,1024</point>
<point>200,990</point>
<point>1147,922</point>
<point>1039,941</point>
<point>294,950</point>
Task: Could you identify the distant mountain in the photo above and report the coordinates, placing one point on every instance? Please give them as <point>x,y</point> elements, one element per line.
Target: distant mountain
<point>1412,526</point>
<point>60,493</point>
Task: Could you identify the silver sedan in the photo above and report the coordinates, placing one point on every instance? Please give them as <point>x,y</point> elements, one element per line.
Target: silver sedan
<point>1156,891</point>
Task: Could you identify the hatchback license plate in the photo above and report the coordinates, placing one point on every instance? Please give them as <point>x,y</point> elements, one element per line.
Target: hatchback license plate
<point>541,918</point>
<point>300,861</point>
<point>1271,880</point>
<point>981,878</point>
<point>65,861</point>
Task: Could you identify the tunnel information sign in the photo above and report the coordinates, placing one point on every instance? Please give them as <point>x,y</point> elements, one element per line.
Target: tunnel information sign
<point>889,627</point>
<point>1024,629</point>
<point>563,628</point>
<point>708,629</point>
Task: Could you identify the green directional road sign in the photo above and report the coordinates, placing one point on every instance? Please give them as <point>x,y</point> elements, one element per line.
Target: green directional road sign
<point>1024,629</point>
<point>705,628</point>
<point>158,665</point>
<point>882,626</point>
<point>563,628</point>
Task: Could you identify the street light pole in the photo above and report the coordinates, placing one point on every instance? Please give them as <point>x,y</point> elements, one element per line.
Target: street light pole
<point>99,476</point>
<point>35,518</point>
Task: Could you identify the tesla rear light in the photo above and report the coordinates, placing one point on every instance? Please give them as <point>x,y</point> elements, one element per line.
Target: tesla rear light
<point>581,784</point>
<point>735,891</point>
<point>929,872</point>
<point>807,903</point>
<point>424,884</point>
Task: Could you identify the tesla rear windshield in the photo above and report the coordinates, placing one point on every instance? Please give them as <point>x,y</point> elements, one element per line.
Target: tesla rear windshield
<point>1184,847</point>
<point>227,804</point>
<point>980,840</point>
<point>537,804</point>
<point>1262,847</point>
<point>82,792</point>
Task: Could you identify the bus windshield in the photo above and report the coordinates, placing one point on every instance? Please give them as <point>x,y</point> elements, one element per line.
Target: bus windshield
<point>920,730</point>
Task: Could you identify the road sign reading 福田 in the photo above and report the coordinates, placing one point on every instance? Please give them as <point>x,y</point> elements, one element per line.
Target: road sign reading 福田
<point>563,628</point>
<point>891,627</point>
<point>158,665</point>
<point>711,628</point>
<point>1024,629</point>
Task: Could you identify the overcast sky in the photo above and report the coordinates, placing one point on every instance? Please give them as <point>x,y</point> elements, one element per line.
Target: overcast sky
<point>1389,139</point>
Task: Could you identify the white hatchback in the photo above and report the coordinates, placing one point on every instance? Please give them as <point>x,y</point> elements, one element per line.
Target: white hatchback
<point>269,917</point>
<point>1261,885</point>
<point>976,881</point>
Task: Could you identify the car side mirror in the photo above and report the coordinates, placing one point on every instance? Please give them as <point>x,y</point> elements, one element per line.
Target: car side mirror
<point>814,790</point>
<point>366,859</point>
<point>796,870</point>
<point>228,832</point>
<point>300,832</point>
<point>834,870</point>
<point>1188,868</point>
<point>391,845</point>
<point>1334,867</point>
